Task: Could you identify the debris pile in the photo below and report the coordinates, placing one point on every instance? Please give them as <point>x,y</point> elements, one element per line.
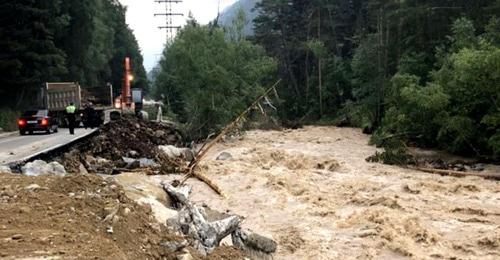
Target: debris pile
<point>128,144</point>
<point>134,138</point>
<point>456,165</point>
<point>205,228</point>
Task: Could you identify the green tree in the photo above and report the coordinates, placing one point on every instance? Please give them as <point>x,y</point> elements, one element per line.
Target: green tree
<point>28,54</point>
<point>207,79</point>
<point>55,40</point>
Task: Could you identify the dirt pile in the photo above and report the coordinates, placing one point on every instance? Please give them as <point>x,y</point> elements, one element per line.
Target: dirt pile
<point>132,138</point>
<point>126,143</point>
<point>84,217</point>
<point>78,216</point>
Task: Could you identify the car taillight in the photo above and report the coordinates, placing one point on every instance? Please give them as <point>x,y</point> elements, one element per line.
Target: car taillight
<point>45,121</point>
<point>21,122</point>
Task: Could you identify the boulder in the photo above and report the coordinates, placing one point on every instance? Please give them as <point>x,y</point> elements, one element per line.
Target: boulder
<point>224,156</point>
<point>133,154</point>
<point>250,241</point>
<point>40,167</point>
<point>159,133</point>
<point>173,152</point>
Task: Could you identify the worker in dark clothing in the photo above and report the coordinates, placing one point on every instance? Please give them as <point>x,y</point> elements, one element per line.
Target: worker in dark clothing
<point>70,114</point>
<point>90,116</point>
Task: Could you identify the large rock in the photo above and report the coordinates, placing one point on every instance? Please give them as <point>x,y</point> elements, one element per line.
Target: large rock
<point>250,241</point>
<point>160,134</point>
<point>173,152</point>
<point>40,167</point>
<point>224,156</point>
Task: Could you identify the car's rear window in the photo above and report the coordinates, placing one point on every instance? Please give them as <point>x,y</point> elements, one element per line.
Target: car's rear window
<point>35,113</point>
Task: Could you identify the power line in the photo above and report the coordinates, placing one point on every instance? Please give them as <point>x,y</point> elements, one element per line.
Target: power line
<point>169,26</point>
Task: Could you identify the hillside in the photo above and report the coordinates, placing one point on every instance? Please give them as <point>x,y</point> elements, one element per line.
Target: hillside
<point>227,16</point>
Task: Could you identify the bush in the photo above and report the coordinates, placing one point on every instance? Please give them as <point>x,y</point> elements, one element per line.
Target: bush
<point>395,151</point>
<point>8,119</point>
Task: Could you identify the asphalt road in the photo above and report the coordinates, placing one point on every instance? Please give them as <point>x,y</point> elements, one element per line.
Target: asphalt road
<point>16,148</point>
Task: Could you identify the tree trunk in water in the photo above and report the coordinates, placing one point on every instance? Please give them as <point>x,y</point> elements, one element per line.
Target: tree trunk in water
<point>288,64</point>
<point>306,70</point>
<point>380,43</point>
<point>320,89</point>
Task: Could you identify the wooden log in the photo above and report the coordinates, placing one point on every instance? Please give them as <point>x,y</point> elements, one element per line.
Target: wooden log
<point>494,176</point>
<point>202,177</point>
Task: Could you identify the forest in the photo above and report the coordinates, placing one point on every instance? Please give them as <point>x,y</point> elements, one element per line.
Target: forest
<point>424,73</point>
<point>55,40</point>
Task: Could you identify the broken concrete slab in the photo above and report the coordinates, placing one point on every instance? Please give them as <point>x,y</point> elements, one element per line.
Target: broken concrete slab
<point>40,167</point>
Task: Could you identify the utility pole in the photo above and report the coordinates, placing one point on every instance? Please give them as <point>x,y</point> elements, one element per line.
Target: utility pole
<point>169,26</point>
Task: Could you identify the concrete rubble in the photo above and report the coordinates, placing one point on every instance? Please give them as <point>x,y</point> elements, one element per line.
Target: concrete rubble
<point>206,232</point>
<point>40,167</point>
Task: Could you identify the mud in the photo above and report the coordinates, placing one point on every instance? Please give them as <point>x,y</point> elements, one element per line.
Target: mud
<point>313,192</point>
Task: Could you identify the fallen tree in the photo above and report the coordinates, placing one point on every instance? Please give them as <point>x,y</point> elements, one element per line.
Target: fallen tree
<point>207,146</point>
<point>205,234</point>
<point>457,173</point>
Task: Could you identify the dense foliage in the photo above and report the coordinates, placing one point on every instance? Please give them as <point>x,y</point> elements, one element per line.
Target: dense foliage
<point>422,71</point>
<point>207,77</point>
<point>458,108</point>
<point>71,40</point>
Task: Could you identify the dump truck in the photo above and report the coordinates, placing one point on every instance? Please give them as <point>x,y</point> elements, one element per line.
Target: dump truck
<point>56,96</point>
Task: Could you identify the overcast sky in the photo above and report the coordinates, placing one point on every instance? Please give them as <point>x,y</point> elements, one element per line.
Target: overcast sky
<point>140,17</point>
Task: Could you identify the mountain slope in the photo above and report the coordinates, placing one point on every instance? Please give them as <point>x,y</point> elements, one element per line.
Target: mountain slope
<point>229,14</point>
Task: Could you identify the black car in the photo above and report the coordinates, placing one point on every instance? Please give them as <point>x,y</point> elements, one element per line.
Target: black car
<point>37,120</point>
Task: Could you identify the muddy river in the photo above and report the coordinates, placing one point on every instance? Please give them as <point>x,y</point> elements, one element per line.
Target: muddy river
<point>313,192</point>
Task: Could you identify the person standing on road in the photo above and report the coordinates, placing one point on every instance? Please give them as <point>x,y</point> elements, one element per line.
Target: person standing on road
<point>90,116</point>
<point>70,114</point>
